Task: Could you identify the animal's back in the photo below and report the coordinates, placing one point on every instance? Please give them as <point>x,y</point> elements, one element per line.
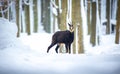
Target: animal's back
<point>62,36</point>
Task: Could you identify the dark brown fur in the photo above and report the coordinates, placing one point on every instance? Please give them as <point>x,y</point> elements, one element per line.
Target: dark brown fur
<point>65,37</point>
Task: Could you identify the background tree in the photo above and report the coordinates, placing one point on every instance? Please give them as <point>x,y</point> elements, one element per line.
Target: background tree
<point>113,14</point>
<point>35,16</point>
<point>117,38</point>
<point>17,18</point>
<point>88,15</point>
<point>27,17</point>
<point>80,29</point>
<point>74,8</point>
<point>93,25</point>
<point>46,15</point>
<point>4,8</point>
<point>108,17</point>
<point>99,9</point>
<point>98,22</point>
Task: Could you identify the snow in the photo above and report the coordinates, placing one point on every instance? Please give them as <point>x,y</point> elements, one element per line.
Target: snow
<point>27,55</point>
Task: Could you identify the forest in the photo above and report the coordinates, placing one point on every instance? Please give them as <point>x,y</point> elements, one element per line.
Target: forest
<point>89,17</point>
<point>27,27</point>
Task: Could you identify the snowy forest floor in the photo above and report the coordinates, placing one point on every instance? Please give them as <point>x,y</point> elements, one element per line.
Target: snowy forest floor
<point>27,55</point>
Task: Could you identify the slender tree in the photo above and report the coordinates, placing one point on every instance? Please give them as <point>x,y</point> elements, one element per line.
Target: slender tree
<point>6,13</point>
<point>99,9</point>
<point>17,18</point>
<point>35,16</point>
<point>93,25</point>
<point>108,16</point>
<point>80,30</point>
<point>39,13</point>
<point>27,19</point>
<point>45,15</point>
<point>74,8</point>
<point>117,37</point>
<point>88,15</point>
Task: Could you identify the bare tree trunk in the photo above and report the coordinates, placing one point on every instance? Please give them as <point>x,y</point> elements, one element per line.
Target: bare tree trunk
<point>39,14</point>
<point>74,8</point>
<point>46,15</point>
<point>7,12</point>
<point>77,22</point>
<point>80,30</point>
<point>35,16</point>
<point>88,16</point>
<point>117,38</point>
<point>27,18</point>
<point>17,18</point>
<point>99,8</point>
<point>108,16</point>
<point>93,25</point>
<point>63,15</point>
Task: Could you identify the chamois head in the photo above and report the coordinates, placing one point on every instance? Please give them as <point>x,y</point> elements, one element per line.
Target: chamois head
<point>71,28</point>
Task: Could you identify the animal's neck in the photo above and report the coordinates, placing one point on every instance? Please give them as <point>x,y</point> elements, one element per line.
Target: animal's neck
<point>71,30</point>
<point>72,34</point>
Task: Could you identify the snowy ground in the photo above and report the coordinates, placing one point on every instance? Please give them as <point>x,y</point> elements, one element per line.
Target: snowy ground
<point>27,55</point>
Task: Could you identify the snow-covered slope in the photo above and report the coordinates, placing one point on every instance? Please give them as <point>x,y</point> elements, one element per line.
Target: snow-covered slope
<point>7,33</point>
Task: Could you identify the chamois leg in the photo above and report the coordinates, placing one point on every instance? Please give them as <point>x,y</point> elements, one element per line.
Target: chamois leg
<point>56,49</point>
<point>52,44</point>
<point>66,46</point>
<point>69,48</point>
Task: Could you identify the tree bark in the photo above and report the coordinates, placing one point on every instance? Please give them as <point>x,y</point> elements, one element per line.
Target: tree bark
<point>63,15</point>
<point>74,23</point>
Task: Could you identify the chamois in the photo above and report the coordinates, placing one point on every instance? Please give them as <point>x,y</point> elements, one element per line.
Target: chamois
<point>65,37</point>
